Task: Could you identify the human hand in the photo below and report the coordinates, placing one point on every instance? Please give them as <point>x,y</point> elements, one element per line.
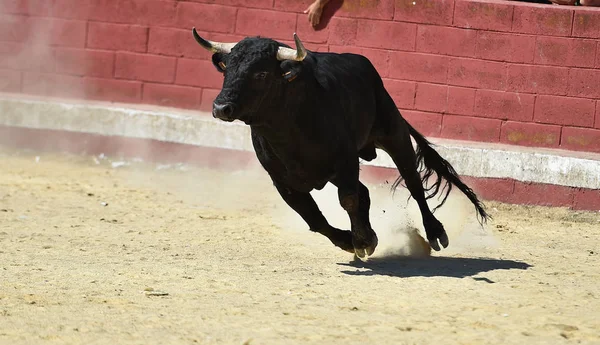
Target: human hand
<point>315,10</point>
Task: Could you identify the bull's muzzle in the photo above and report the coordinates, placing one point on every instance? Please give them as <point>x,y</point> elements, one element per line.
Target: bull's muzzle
<point>223,111</point>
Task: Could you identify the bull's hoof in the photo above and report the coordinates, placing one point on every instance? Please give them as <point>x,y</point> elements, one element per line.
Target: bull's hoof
<point>365,247</point>
<point>444,240</point>
<point>433,242</point>
<point>435,231</point>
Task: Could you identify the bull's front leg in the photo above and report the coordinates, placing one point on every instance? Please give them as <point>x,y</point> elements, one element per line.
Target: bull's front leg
<point>306,207</point>
<point>354,198</point>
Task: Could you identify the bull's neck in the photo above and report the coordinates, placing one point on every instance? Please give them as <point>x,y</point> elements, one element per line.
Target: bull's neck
<point>287,118</point>
<point>282,126</point>
<point>278,131</point>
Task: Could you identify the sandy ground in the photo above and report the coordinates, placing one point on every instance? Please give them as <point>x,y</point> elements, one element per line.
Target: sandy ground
<point>94,252</point>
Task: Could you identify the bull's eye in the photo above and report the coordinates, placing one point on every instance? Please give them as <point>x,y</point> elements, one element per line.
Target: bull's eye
<point>260,75</point>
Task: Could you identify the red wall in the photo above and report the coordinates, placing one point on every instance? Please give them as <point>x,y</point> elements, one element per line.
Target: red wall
<point>494,71</point>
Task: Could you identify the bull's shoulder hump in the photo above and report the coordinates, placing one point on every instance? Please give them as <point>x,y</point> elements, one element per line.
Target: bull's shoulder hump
<point>332,69</point>
<point>344,58</point>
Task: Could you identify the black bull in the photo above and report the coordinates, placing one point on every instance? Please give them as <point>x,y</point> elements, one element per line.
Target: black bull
<point>312,116</point>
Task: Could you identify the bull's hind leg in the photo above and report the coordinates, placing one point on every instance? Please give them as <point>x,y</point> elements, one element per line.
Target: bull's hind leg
<point>306,207</point>
<point>396,142</point>
<point>354,198</point>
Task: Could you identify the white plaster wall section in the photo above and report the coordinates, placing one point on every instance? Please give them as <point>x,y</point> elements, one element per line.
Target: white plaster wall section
<point>115,121</point>
<point>578,172</point>
<point>185,127</point>
<point>502,164</point>
<point>465,160</point>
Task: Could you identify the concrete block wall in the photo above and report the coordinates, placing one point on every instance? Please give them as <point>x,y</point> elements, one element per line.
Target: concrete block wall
<point>479,70</point>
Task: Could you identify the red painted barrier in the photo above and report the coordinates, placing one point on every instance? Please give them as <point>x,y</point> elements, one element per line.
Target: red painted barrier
<point>481,70</point>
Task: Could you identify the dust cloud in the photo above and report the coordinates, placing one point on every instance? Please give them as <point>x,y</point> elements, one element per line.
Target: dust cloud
<point>395,218</point>
<point>34,51</point>
<point>40,49</point>
<point>397,221</point>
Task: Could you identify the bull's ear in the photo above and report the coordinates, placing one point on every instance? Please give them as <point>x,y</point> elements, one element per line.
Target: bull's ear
<point>291,69</point>
<point>218,59</point>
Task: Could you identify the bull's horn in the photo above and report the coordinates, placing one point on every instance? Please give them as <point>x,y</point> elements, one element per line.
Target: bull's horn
<point>214,47</point>
<point>297,54</point>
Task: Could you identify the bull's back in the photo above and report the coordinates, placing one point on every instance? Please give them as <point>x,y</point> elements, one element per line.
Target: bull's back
<point>347,74</point>
<point>351,84</point>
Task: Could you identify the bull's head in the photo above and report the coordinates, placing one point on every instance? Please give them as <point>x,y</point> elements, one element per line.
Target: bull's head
<point>256,71</point>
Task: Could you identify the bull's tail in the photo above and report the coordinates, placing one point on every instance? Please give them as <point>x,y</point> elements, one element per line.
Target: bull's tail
<point>429,162</point>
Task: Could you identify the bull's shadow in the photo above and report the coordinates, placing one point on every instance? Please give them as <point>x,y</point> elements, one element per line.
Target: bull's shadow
<point>454,267</point>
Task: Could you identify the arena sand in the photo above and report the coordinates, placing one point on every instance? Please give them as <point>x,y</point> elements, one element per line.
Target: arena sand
<point>100,251</point>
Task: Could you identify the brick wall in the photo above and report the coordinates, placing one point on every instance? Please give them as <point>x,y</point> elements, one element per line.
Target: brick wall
<point>482,70</point>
